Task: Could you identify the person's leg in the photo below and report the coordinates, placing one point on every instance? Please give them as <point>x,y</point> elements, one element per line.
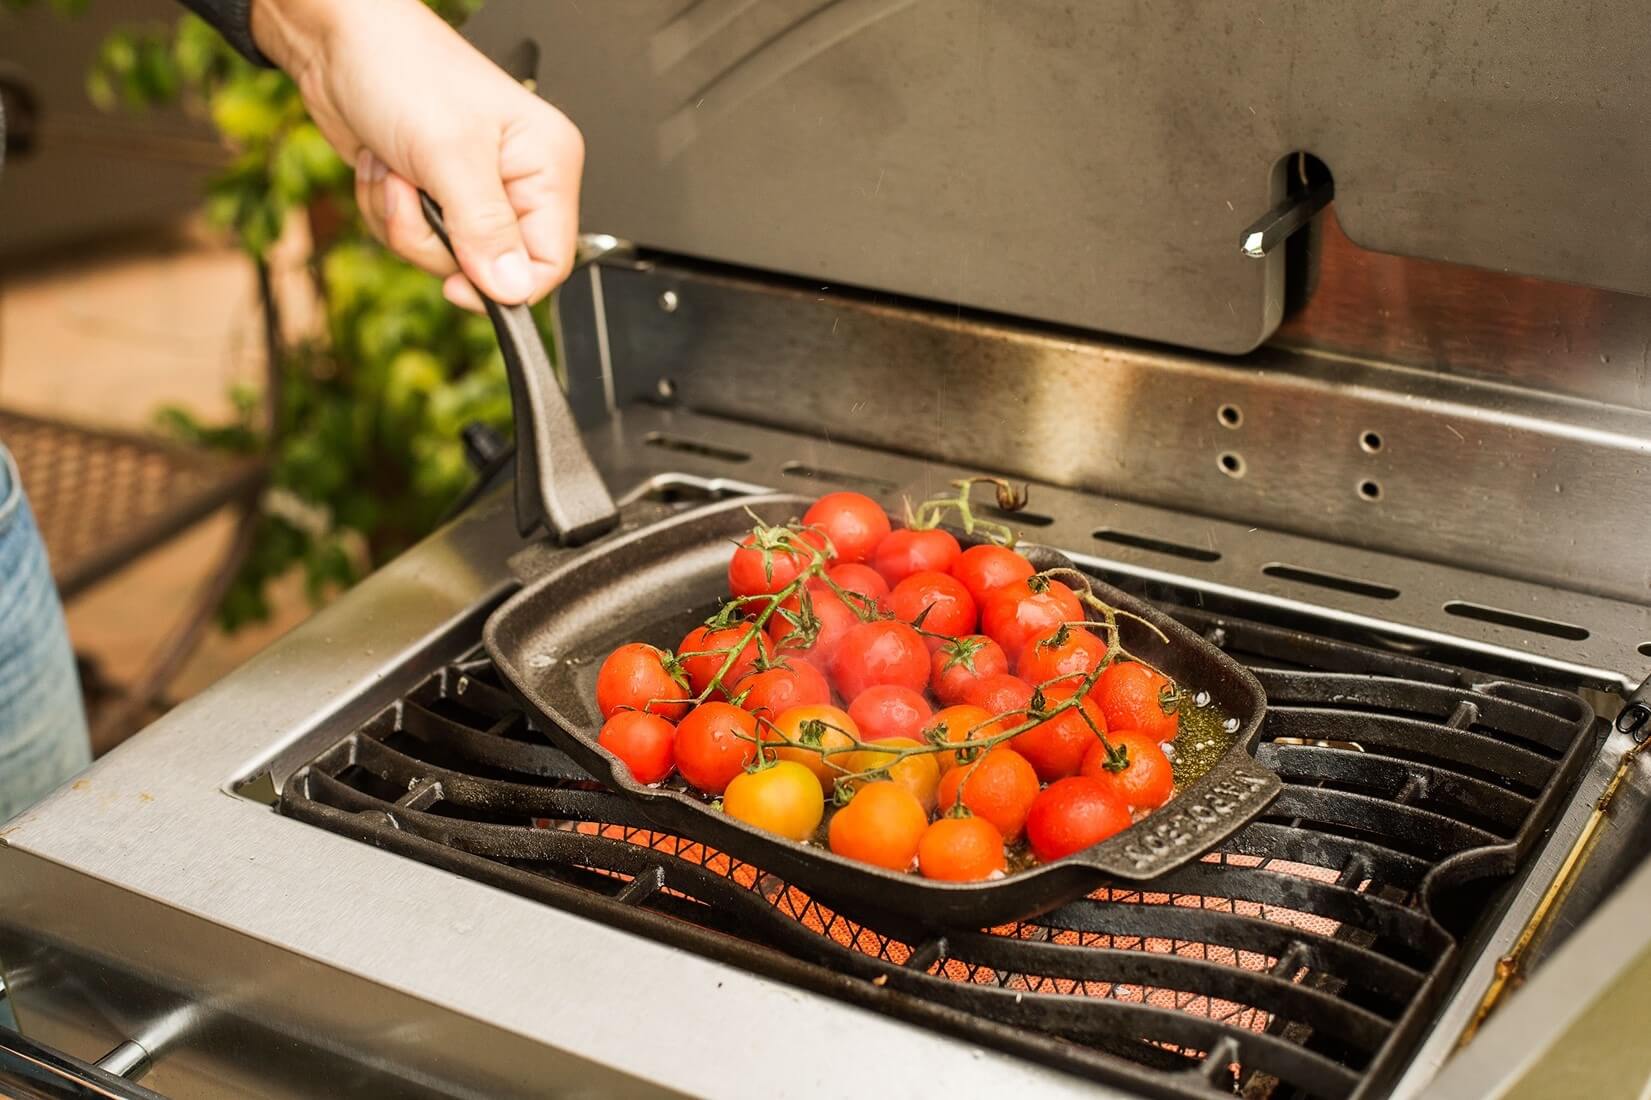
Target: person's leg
<point>43,738</point>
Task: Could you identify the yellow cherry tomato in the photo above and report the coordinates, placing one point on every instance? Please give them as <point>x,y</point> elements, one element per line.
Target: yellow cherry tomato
<point>781,798</point>
<point>919,773</point>
<point>816,724</point>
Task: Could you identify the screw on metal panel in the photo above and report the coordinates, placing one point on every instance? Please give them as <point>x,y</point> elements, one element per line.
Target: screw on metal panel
<point>668,301</point>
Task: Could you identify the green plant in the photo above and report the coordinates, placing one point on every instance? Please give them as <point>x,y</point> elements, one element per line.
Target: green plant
<point>366,453</point>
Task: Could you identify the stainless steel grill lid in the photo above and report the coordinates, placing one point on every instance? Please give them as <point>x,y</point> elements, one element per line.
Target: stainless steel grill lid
<point>1098,164</point>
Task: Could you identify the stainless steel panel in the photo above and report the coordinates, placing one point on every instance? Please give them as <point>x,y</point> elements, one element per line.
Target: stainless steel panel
<point>1514,482</point>
<point>1096,164</point>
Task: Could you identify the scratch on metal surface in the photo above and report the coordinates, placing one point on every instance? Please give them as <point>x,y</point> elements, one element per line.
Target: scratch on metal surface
<point>805,39</point>
<point>696,25</point>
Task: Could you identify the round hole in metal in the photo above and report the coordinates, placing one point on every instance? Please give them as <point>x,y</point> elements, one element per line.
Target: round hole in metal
<point>1645,648</point>
<point>1371,441</point>
<point>1231,464</point>
<point>1370,490</point>
<point>1230,415</point>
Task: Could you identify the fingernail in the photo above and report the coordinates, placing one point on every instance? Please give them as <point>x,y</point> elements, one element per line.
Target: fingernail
<point>376,169</point>
<point>513,277</point>
<point>390,200</point>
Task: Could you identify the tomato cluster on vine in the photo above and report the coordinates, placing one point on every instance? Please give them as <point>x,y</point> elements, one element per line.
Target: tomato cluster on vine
<point>946,705</point>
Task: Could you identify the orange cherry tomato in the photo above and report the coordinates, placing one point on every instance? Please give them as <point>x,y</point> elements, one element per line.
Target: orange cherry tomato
<point>1001,787</point>
<point>1133,696</point>
<point>1147,779</point>
<point>883,824</point>
<point>960,723</point>
<point>826,726</point>
<point>782,798</point>
<point>960,849</point>
<point>918,773</point>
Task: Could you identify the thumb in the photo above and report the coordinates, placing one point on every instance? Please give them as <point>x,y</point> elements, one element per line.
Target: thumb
<point>482,223</point>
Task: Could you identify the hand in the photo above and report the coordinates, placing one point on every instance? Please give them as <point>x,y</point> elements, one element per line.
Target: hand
<point>413,105</point>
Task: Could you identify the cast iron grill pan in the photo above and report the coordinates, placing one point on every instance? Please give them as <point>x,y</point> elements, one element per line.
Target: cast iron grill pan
<point>655,583</point>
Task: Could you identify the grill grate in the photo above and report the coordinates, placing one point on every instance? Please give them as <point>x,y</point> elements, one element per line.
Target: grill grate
<point>1303,959</point>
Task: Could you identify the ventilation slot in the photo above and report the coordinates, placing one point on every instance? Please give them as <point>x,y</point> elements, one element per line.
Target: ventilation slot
<point>694,447</point>
<point>1350,585</point>
<point>1529,623</point>
<point>869,485</point>
<point>1645,649</point>
<point>1157,546</point>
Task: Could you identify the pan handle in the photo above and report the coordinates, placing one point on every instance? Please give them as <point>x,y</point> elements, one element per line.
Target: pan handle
<point>557,485</point>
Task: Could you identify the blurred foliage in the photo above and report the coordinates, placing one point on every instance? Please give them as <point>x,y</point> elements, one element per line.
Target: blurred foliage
<point>368,452</point>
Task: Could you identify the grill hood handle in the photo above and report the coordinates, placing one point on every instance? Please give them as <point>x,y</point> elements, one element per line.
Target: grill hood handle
<point>558,487</point>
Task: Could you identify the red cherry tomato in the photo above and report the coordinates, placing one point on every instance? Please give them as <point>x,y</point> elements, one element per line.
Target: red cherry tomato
<point>711,746</point>
<point>1133,696</point>
<point>643,743</point>
<point>853,522</point>
<point>774,691</point>
<point>699,660</point>
<point>1001,788</point>
<point>961,849</point>
<point>905,552</point>
<point>884,652</point>
<point>1067,653</point>
<point>1017,612</point>
<point>959,663</point>
<point>942,602</point>
<point>855,577</point>
<point>1072,814</point>
<point>1146,780</point>
<point>765,562</point>
<point>1056,746</point>
<point>999,695</point>
<point>889,711</point>
<point>640,677</point>
<point>827,621</point>
<point>985,569</point>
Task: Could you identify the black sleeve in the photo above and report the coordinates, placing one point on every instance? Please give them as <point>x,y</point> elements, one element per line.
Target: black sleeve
<point>233,19</point>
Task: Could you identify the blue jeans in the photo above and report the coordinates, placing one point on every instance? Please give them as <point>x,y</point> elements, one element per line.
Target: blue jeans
<point>43,737</point>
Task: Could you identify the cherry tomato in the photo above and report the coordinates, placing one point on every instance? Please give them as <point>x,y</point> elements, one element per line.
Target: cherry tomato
<point>888,711</point>
<point>1146,780</point>
<point>781,798</point>
<point>711,746</point>
<point>1055,747</point>
<point>905,552</point>
<point>999,694</point>
<point>815,632</point>
<point>884,652</point>
<point>1133,696</point>
<point>962,722</point>
<point>824,726</point>
<point>1071,815</point>
<point>642,742</point>
<point>699,660</point>
<point>944,605</point>
<point>882,824</point>
<point>1018,612</point>
<point>855,577</point>
<point>766,563</point>
<point>640,677</point>
<point>853,522</point>
<point>985,569</point>
<point>959,663</point>
<point>775,690</point>
<point>1067,653</point>
<point>918,773</point>
<point>961,849</point>
<point>1001,786</point>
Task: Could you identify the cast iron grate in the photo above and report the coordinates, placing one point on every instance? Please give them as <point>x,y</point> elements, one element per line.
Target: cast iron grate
<point>1304,959</point>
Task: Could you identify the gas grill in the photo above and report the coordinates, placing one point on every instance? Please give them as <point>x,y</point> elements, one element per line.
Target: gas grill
<point>1393,487</point>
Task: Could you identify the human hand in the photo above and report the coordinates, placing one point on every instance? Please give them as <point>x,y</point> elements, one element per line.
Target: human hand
<point>414,106</point>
